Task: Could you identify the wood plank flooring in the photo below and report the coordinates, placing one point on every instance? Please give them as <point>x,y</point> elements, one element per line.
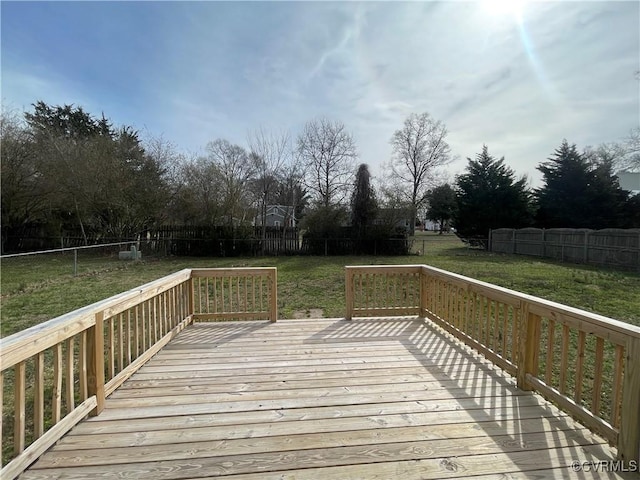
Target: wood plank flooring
<point>322,399</point>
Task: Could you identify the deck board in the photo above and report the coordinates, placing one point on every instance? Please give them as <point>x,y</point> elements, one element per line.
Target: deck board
<point>331,399</point>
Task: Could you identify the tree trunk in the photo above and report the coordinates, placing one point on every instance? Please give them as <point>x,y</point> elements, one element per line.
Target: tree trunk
<point>84,234</point>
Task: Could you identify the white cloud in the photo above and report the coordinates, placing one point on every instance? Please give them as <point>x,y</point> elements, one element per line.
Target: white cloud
<point>201,70</point>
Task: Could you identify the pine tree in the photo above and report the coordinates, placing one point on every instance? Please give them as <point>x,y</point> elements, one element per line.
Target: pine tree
<point>578,193</point>
<point>364,206</point>
<point>490,197</point>
<point>442,204</point>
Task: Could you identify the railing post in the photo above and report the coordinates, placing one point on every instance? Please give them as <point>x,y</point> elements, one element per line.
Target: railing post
<point>629,436</point>
<point>527,346</point>
<point>95,367</point>
<point>424,292</point>
<point>191,296</point>
<point>349,292</point>
<point>273,307</point>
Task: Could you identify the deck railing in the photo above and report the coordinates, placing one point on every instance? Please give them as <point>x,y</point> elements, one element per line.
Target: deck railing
<point>587,364</point>
<point>235,294</point>
<point>56,373</point>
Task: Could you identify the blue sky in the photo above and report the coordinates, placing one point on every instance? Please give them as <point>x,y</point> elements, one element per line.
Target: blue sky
<point>518,81</point>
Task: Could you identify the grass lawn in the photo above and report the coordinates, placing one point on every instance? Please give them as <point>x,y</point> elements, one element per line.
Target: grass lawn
<point>40,288</point>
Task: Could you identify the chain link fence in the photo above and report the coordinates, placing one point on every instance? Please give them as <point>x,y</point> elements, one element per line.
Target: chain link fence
<point>74,261</point>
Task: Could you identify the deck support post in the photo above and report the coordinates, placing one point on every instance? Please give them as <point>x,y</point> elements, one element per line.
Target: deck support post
<point>526,360</point>
<point>95,367</point>
<point>629,436</point>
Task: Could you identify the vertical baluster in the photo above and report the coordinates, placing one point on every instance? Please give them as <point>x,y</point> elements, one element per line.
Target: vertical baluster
<point>481,320</point>
<point>515,332</point>
<point>253,294</point>
<point>367,287</point>
<point>221,305</point>
<point>551,328</point>
<point>154,316</point>
<point>111,347</point>
<point>136,331</point>
<point>56,410</point>
<point>121,340</point>
<point>128,337</point>
<point>143,324</point>
<point>207,299</point>
<point>617,386</point>
<point>487,325</point>
<point>166,316</point>
<point>82,365</point>
<point>564,359</point>
<point>495,338</point>
<point>156,323</point>
<point>505,329</point>
<point>38,396</point>
<point>394,288</point>
<point>580,367</point>
<point>19,394</point>
<point>247,308</point>
<point>69,376</point>
<point>597,377</point>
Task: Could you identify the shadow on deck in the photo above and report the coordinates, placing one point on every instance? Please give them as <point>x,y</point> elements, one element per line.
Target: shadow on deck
<point>327,398</point>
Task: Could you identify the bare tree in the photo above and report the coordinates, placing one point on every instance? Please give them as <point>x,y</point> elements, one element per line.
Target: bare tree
<point>198,199</point>
<point>269,154</point>
<point>328,152</point>
<point>632,150</point>
<point>235,171</point>
<point>419,147</point>
<point>24,193</point>
<point>622,156</point>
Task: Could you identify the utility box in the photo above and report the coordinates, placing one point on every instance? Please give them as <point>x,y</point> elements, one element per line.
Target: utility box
<point>132,254</point>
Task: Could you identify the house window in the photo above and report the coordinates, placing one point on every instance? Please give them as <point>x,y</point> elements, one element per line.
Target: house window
<point>276,223</point>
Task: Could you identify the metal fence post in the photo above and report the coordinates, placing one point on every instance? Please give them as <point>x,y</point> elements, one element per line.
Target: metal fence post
<point>75,262</point>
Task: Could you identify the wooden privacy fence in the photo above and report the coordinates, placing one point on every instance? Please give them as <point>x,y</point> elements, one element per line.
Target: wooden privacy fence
<point>587,364</point>
<point>610,247</point>
<point>56,373</point>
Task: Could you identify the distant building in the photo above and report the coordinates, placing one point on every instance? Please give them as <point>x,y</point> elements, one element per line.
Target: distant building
<point>396,218</point>
<point>278,216</point>
<point>629,181</point>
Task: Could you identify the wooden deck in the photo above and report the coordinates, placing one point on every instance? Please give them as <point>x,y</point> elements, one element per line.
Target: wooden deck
<point>322,399</point>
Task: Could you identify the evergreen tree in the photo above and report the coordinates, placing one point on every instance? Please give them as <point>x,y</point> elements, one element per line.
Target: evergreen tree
<point>578,193</point>
<point>95,177</point>
<point>490,197</point>
<point>442,204</point>
<point>364,206</point>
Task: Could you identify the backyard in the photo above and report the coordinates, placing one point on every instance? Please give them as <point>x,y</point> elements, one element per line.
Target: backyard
<point>39,288</point>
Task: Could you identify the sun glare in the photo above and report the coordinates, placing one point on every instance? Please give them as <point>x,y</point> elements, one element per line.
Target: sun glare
<point>512,8</point>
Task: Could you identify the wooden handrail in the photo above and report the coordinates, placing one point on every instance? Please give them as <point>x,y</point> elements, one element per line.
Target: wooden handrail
<point>93,350</point>
<point>17,347</point>
<point>524,335</point>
